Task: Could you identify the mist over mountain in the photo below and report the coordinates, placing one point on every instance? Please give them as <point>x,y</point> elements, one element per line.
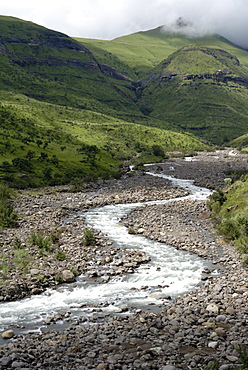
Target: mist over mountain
<point>194,18</point>
<point>110,19</point>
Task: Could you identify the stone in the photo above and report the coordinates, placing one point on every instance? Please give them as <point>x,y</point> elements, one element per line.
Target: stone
<point>169,367</point>
<point>171,310</point>
<point>213,344</point>
<point>209,324</point>
<point>34,271</point>
<point>5,361</point>
<point>18,365</point>
<point>212,308</point>
<point>221,318</point>
<point>68,276</point>
<point>102,366</point>
<point>232,358</point>
<point>220,332</point>
<point>8,334</point>
<point>230,310</point>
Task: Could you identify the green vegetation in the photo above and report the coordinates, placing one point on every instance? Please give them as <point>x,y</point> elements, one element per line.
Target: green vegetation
<point>89,237</point>
<point>23,255</point>
<point>8,217</point>
<point>60,256</point>
<point>196,91</point>
<point>144,50</point>
<point>213,366</point>
<point>42,241</point>
<point>44,144</point>
<point>229,210</point>
<point>243,355</point>
<point>72,112</point>
<point>198,85</point>
<point>241,143</point>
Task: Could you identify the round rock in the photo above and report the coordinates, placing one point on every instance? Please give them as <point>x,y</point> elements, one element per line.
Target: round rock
<point>8,334</point>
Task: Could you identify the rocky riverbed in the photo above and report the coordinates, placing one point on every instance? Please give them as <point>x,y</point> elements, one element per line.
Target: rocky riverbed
<point>205,326</point>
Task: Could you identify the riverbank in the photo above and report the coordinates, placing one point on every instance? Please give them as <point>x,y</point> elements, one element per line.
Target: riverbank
<point>190,332</point>
<point>57,214</point>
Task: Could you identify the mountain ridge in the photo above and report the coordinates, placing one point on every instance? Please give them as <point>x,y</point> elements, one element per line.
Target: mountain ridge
<point>91,111</point>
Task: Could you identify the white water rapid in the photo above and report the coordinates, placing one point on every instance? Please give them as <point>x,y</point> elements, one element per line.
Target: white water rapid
<point>170,273</point>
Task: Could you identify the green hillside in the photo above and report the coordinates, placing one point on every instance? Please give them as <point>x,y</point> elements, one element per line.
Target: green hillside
<point>198,85</point>
<point>43,143</point>
<point>241,143</point>
<point>229,210</point>
<point>81,110</point>
<point>144,50</point>
<point>50,66</point>
<point>200,90</point>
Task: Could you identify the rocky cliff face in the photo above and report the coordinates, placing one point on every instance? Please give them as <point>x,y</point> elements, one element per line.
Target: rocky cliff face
<point>27,52</point>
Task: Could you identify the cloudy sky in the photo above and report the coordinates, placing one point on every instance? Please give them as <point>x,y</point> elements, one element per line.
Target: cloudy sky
<point>108,19</point>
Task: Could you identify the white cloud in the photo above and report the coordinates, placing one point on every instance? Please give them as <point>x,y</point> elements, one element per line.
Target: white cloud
<point>107,19</point>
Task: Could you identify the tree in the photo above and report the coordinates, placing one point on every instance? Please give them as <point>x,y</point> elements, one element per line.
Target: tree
<point>21,164</point>
<point>30,155</point>
<point>47,173</point>
<point>157,151</point>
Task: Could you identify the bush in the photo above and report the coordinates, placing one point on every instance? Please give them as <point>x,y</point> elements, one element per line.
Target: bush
<point>8,217</point>
<point>42,241</point>
<point>89,237</point>
<point>60,256</point>
<point>217,196</point>
<point>22,164</point>
<point>131,231</point>
<point>243,355</point>
<point>157,151</point>
<point>229,229</point>
<point>17,244</point>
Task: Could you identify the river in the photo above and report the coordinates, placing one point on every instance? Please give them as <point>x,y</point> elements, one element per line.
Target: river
<point>169,273</point>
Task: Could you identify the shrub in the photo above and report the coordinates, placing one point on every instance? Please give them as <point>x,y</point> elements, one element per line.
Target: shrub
<point>229,229</point>
<point>216,200</point>
<point>17,244</point>
<point>8,217</point>
<point>243,355</point>
<point>22,164</point>
<point>213,366</point>
<point>228,181</point>
<point>131,231</point>
<point>242,248</point>
<point>55,236</point>
<point>157,151</point>
<point>89,237</point>
<point>42,241</point>
<point>60,256</point>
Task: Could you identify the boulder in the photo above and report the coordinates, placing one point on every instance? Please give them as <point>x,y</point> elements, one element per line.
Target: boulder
<point>8,334</point>
<point>67,276</point>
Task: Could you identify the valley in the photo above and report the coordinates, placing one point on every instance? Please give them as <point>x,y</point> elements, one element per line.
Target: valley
<point>215,308</point>
<point>142,138</point>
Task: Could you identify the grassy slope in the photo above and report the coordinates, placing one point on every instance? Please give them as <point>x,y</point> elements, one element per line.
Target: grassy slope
<point>214,110</point>
<point>144,50</point>
<point>59,132</point>
<point>49,66</point>
<point>241,143</point>
<point>231,215</point>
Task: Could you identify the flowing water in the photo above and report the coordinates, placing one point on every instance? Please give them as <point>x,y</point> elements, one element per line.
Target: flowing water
<point>169,273</point>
